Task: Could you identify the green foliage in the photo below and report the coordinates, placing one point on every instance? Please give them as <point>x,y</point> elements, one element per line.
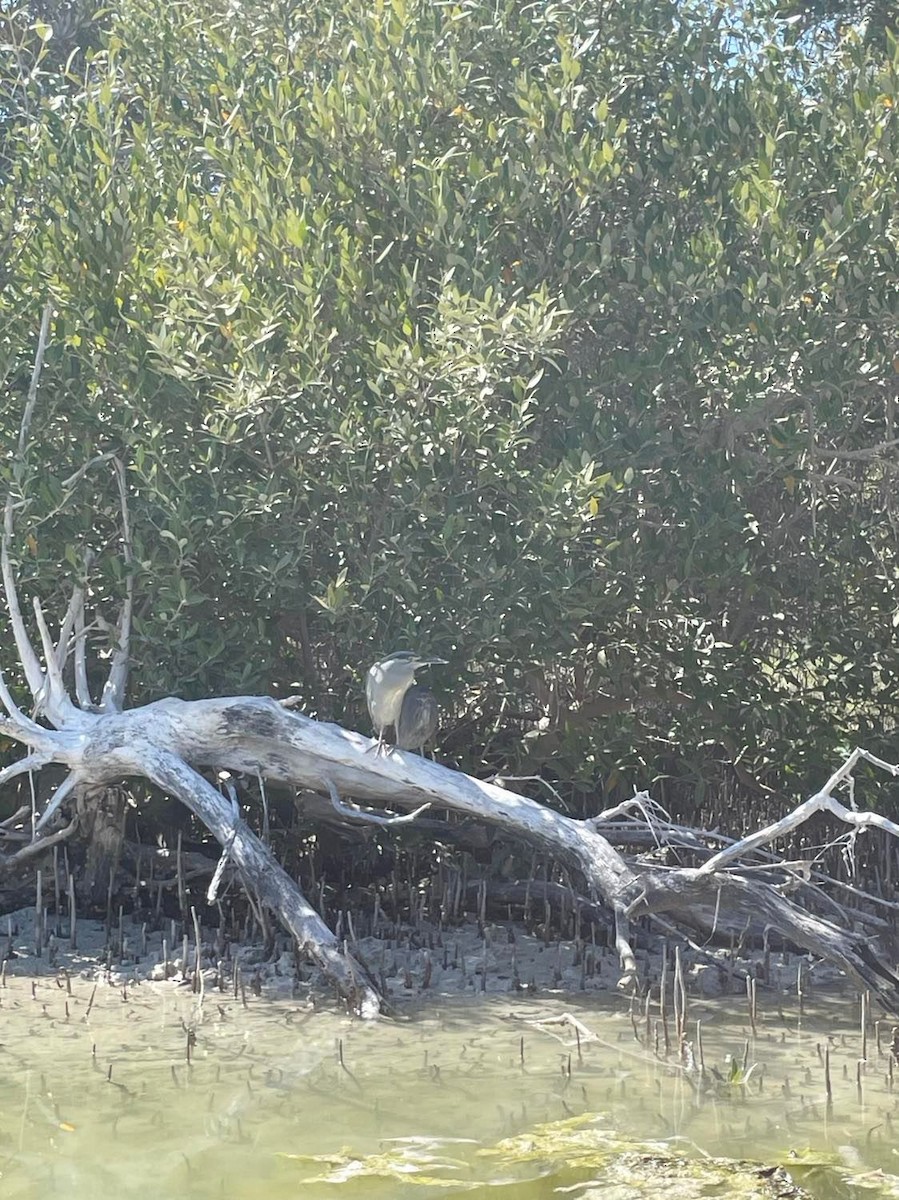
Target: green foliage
<point>549,339</point>
<point>877,19</point>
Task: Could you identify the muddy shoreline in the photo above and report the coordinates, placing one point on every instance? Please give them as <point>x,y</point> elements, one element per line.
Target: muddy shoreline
<point>470,958</point>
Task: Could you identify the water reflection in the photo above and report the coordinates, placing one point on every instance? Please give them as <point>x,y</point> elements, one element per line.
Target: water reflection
<point>142,1091</point>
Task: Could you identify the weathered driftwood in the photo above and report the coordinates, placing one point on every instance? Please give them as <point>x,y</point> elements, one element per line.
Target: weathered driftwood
<point>172,742</point>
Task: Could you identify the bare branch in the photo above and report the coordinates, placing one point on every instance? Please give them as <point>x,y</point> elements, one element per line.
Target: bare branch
<point>12,708</point>
<point>257,863</point>
<point>101,623</point>
<point>212,892</point>
<point>648,808</point>
<point>40,845</point>
<point>31,762</point>
<point>836,480</point>
<point>699,842</point>
<point>113,698</point>
<point>82,689</point>
<point>56,699</point>
<point>25,427</point>
<point>215,883</point>
<point>502,780</point>
<point>70,621</point>
<point>68,484</point>
<point>821,802</point>
<point>67,628</point>
<point>581,1033</point>
<point>24,810</point>
<point>63,792</point>
<point>27,656</point>
<point>864,455</point>
<point>626,957</point>
<point>31,734</point>
<point>683,890</point>
<point>354,813</point>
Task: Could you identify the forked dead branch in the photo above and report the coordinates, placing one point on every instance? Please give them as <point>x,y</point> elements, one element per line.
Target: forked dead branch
<point>176,744</point>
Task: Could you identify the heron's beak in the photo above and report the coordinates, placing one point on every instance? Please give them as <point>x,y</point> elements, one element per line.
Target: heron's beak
<point>430,662</point>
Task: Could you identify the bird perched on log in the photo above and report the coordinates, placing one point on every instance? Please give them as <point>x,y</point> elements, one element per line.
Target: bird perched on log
<point>386,686</point>
<point>417,722</point>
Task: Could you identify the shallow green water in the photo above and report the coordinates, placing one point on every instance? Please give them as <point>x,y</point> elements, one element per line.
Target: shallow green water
<point>467,1096</point>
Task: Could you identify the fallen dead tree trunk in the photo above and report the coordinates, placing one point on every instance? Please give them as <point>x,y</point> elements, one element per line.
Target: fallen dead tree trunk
<point>172,742</point>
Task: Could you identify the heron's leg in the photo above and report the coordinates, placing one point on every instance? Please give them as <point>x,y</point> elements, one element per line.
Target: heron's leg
<point>376,746</point>
<point>380,747</point>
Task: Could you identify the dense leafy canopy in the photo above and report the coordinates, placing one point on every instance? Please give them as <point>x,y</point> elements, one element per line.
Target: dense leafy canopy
<point>877,20</point>
<point>556,339</point>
